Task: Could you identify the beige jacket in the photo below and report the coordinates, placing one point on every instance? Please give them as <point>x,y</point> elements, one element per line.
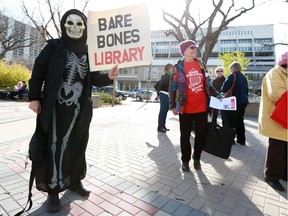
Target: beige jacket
<point>273,86</point>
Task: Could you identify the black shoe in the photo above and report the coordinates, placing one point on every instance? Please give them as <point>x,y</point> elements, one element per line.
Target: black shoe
<point>162,130</point>
<point>185,167</point>
<point>167,129</point>
<point>53,203</point>
<point>275,184</point>
<point>79,189</point>
<point>196,163</point>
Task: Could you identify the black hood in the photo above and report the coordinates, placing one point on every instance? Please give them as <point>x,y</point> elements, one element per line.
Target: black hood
<point>77,46</point>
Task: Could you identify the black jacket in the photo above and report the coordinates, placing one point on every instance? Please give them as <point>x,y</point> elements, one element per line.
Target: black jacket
<point>47,76</point>
<point>240,90</point>
<point>164,83</point>
<point>218,82</point>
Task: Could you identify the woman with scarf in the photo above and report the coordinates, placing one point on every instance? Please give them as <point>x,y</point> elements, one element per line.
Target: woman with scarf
<point>190,89</point>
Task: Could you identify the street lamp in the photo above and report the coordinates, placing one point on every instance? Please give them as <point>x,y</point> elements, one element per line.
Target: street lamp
<point>149,81</point>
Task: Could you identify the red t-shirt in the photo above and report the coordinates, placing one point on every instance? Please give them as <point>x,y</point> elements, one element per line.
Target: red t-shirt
<point>195,91</point>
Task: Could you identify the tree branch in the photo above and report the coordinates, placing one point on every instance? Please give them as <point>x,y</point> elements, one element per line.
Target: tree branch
<point>225,13</point>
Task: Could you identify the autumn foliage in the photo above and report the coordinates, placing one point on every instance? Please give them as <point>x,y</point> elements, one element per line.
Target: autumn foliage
<point>10,74</point>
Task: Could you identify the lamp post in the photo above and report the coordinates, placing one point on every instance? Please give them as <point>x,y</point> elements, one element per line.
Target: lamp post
<point>150,69</point>
<point>148,81</point>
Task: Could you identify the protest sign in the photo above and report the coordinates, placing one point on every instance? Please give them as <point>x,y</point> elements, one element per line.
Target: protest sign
<point>228,103</point>
<point>119,36</point>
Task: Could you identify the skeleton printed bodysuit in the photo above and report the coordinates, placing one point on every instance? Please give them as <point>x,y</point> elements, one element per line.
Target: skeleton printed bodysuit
<point>61,136</point>
<point>60,94</point>
<point>69,102</point>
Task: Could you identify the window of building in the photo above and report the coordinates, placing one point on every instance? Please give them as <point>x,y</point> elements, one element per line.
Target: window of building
<point>264,54</point>
<point>263,48</point>
<point>129,71</point>
<point>176,55</point>
<point>245,49</point>
<point>263,40</point>
<point>161,55</point>
<point>228,49</point>
<point>245,40</point>
<point>228,41</point>
<point>173,50</point>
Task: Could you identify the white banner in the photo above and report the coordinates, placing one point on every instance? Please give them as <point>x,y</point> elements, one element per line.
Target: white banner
<point>228,103</point>
<point>119,36</point>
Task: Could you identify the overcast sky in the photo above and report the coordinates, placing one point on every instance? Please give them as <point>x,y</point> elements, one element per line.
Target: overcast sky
<point>273,12</point>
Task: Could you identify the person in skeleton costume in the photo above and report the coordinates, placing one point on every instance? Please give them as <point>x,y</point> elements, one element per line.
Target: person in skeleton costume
<point>60,94</point>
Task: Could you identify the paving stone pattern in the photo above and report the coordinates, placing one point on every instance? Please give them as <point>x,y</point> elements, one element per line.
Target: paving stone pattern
<point>133,170</point>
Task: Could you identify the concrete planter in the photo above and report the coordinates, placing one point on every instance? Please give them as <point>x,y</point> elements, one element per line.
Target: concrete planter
<point>252,109</point>
<point>96,101</point>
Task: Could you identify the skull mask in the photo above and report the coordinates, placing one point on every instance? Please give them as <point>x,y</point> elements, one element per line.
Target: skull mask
<point>74,26</point>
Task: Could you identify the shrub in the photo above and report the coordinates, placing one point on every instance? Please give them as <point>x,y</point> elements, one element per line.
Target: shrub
<point>10,74</point>
<point>106,99</point>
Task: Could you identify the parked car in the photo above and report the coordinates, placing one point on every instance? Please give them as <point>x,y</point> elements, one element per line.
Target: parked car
<point>144,95</point>
<point>94,89</point>
<point>122,95</point>
<point>132,91</point>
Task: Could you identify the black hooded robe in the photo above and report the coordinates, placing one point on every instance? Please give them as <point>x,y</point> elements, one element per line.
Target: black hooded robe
<point>62,81</point>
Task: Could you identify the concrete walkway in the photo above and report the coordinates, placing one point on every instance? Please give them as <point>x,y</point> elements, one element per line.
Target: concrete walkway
<point>133,170</point>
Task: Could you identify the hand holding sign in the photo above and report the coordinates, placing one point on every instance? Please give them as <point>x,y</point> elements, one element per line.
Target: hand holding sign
<point>114,72</point>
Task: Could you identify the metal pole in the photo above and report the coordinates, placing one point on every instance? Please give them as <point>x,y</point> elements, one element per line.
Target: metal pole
<point>149,81</point>
<point>113,92</point>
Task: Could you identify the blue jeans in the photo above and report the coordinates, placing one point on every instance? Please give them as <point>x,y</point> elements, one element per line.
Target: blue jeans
<point>164,108</point>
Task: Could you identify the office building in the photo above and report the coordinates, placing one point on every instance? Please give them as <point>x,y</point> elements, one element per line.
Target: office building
<point>27,38</point>
<point>256,41</point>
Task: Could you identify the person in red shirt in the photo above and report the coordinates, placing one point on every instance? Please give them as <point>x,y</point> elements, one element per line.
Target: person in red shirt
<point>189,91</point>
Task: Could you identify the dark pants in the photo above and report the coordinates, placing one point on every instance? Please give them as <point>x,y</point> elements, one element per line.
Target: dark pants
<point>223,117</point>
<point>164,108</point>
<point>236,120</point>
<point>186,125</point>
<point>276,160</point>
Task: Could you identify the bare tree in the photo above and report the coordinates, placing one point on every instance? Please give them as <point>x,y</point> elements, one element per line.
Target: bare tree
<point>13,36</point>
<point>189,25</point>
<point>48,21</point>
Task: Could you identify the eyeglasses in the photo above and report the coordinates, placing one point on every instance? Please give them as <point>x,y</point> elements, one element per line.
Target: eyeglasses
<point>193,47</point>
<point>219,71</point>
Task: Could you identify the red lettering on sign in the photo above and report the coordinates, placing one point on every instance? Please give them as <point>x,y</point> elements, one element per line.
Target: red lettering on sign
<point>118,57</point>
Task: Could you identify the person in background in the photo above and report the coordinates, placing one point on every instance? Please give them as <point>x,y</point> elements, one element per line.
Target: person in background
<point>189,91</point>
<point>16,89</point>
<point>163,92</point>
<point>23,90</point>
<point>217,84</point>
<point>235,118</point>
<point>18,86</point>
<point>274,85</point>
<point>60,95</point>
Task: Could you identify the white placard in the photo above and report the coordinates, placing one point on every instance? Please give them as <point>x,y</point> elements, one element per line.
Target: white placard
<point>119,36</point>
<point>228,103</point>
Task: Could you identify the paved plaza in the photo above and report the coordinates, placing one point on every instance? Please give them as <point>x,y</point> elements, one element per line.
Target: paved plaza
<point>134,170</point>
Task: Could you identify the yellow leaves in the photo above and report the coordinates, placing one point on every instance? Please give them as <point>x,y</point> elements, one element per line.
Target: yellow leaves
<point>229,57</point>
<point>10,74</point>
